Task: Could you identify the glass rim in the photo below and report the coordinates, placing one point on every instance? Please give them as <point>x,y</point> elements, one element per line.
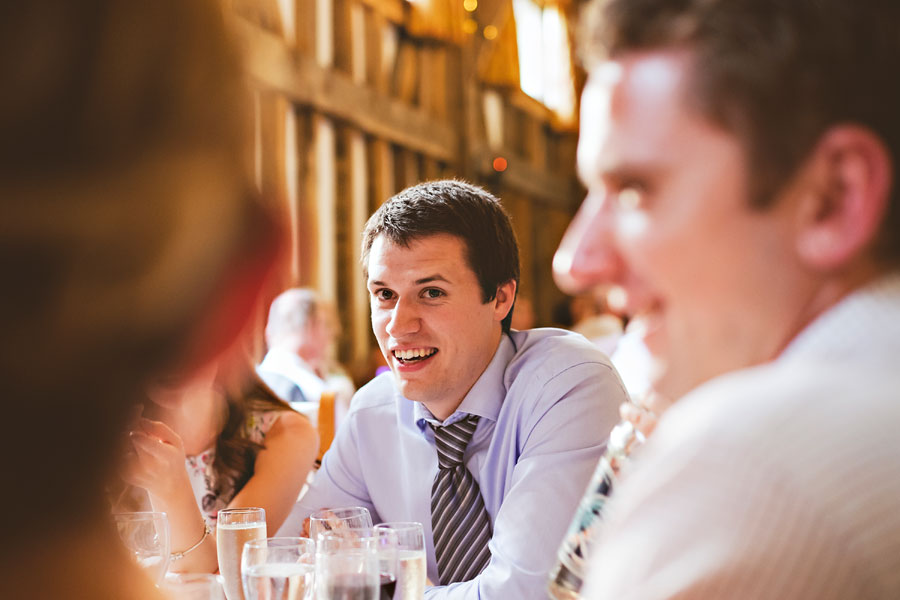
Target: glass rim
<point>334,511</point>
<point>280,542</point>
<point>400,526</point>
<point>241,510</point>
<point>139,514</point>
<point>190,577</point>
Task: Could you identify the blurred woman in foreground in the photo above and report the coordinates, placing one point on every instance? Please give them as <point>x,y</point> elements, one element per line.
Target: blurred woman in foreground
<point>128,244</point>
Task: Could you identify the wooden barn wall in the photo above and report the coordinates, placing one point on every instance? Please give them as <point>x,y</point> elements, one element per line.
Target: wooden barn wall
<point>351,108</point>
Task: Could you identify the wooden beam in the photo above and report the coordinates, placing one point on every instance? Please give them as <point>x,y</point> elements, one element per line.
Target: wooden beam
<point>324,33</point>
<point>326,203</point>
<point>406,73</point>
<point>275,67</point>
<point>359,214</point>
<point>382,168</point>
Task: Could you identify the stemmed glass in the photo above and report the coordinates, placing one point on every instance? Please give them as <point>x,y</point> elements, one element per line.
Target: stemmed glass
<point>234,528</point>
<point>278,568</point>
<point>146,535</point>
<point>353,517</point>
<point>348,566</point>
<point>411,564</point>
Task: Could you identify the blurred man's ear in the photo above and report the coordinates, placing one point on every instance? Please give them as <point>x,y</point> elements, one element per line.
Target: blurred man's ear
<point>845,198</point>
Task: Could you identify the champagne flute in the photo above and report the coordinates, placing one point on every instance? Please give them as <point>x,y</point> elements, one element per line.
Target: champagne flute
<point>146,535</point>
<point>347,567</point>
<point>278,568</point>
<point>235,527</point>
<point>193,586</point>
<point>352,517</point>
<point>411,566</point>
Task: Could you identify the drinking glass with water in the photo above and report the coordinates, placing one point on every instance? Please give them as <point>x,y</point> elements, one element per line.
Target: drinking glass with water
<point>278,568</point>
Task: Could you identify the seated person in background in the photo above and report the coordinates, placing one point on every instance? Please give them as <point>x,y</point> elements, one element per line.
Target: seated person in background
<point>211,442</point>
<point>130,245</point>
<point>516,418</point>
<point>300,336</point>
<point>742,160</point>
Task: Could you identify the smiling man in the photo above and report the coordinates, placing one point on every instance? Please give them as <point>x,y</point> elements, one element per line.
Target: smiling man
<point>485,435</point>
<point>741,164</point>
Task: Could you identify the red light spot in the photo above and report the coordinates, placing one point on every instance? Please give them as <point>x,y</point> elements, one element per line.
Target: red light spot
<point>500,164</point>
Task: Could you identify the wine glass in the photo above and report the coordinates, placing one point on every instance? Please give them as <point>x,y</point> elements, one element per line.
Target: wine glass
<point>146,535</point>
<point>347,567</point>
<point>352,517</point>
<point>411,565</point>
<point>386,548</point>
<point>235,527</point>
<point>278,568</point>
<point>193,586</point>
<point>385,544</point>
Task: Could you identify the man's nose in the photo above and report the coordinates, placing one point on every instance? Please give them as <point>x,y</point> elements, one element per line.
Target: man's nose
<point>587,257</point>
<point>405,319</point>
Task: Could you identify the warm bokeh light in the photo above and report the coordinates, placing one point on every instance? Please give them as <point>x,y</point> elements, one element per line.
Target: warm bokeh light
<point>490,32</point>
<point>470,5</point>
<point>500,164</point>
<point>470,26</point>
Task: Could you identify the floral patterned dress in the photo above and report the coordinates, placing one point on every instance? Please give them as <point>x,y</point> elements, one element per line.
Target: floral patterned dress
<point>200,466</point>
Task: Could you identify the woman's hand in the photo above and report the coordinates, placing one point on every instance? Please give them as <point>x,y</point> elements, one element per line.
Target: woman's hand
<point>157,461</point>
<point>645,415</point>
<point>157,465</point>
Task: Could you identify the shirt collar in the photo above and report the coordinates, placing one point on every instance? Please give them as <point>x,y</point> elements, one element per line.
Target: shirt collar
<point>867,318</point>
<point>484,399</point>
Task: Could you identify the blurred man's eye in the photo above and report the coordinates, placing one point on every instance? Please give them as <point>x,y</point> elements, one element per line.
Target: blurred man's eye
<point>630,197</point>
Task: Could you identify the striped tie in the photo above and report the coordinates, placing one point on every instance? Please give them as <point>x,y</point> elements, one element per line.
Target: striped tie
<point>460,523</point>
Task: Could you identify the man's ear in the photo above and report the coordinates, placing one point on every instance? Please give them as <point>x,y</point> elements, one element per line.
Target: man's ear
<point>503,302</point>
<point>845,198</point>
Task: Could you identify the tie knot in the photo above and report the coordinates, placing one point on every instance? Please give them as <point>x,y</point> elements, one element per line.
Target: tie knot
<point>451,441</point>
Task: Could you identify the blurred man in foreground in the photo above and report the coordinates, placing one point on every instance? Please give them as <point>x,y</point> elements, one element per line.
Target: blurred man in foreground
<point>129,246</point>
<point>741,161</point>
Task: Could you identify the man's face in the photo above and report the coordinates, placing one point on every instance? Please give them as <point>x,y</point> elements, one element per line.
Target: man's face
<point>667,219</point>
<point>427,313</point>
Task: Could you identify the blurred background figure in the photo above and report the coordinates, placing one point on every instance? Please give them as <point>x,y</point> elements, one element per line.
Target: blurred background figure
<point>299,365</point>
<point>594,319</point>
<point>129,243</point>
<point>217,439</point>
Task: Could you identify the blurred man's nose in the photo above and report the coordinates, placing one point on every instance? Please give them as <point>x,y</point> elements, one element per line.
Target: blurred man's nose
<point>586,256</point>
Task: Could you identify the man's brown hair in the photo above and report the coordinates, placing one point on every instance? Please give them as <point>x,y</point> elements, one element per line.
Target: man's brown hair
<point>776,73</point>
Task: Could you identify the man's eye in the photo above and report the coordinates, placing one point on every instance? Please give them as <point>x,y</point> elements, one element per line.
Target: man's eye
<point>630,197</point>
<point>433,293</point>
<point>384,294</point>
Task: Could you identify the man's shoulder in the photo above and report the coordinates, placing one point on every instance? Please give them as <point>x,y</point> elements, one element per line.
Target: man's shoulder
<point>559,372</point>
<point>380,391</point>
<point>544,353</point>
<point>789,411</point>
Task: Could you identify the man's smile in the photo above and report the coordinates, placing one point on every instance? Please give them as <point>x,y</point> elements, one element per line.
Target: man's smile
<point>412,355</point>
